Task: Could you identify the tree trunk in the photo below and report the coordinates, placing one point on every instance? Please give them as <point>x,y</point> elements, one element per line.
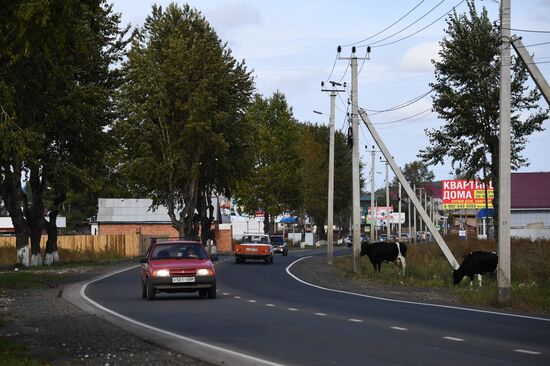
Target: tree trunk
<point>35,215</point>
<point>12,195</point>
<point>266,222</point>
<point>52,256</point>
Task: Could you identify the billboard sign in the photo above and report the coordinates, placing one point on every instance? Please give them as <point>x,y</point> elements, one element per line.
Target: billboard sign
<point>381,213</point>
<point>458,194</point>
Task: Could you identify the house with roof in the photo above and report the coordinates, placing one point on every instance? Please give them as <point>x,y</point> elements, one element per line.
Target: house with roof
<point>135,216</point>
<point>530,205</point>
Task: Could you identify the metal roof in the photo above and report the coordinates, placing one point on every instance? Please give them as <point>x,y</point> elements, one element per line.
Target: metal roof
<point>130,210</point>
<point>530,190</point>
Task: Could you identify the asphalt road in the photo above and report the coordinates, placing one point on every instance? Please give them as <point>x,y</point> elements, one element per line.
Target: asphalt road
<point>263,312</point>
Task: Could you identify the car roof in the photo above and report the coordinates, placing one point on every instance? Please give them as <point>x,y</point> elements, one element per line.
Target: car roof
<point>162,242</point>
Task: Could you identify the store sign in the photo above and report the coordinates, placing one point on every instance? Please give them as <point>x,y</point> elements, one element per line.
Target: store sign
<point>458,194</point>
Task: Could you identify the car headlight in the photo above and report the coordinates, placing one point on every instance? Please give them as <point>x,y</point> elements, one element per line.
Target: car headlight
<point>162,273</point>
<point>204,272</point>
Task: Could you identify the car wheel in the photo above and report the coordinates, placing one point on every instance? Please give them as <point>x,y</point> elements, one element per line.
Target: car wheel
<point>285,253</point>
<point>271,259</point>
<point>237,260</point>
<point>266,260</point>
<point>203,293</point>
<point>150,290</point>
<point>143,290</point>
<point>212,292</point>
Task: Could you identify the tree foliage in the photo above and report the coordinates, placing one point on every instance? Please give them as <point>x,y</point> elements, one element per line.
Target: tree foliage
<point>416,173</point>
<point>467,98</point>
<point>56,84</point>
<point>183,132</point>
<point>274,185</point>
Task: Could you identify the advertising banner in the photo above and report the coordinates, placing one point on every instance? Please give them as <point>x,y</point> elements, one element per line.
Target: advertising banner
<point>458,194</point>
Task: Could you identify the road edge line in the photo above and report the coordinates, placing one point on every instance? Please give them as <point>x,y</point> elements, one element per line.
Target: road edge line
<point>405,301</point>
<point>75,294</point>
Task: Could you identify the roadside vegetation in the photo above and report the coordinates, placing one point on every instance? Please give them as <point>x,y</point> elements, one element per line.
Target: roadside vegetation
<point>428,268</point>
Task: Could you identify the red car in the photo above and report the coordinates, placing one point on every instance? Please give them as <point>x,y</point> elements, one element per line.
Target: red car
<point>177,266</point>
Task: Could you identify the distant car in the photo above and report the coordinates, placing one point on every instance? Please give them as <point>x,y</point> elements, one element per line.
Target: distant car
<point>349,240</point>
<point>177,266</point>
<point>384,237</point>
<point>405,238</point>
<point>279,244</point>
<point>254,246</point>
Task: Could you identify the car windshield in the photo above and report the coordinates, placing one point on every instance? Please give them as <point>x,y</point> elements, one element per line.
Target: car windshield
<point>179,251</point>
<point>279,240</point>
<point>255,239</point>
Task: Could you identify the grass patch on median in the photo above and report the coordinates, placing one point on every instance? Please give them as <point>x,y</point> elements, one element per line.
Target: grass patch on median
<point>427,267</point>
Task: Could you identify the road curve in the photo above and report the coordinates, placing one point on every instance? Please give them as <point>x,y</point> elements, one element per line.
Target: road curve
<point>264,315</point>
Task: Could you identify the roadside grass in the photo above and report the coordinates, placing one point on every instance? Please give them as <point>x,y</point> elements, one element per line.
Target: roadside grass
<point>13,354</point>
<point>427,267</point>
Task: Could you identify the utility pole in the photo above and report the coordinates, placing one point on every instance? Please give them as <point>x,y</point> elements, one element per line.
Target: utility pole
<point>399,218</point>
<point>420,217</point>
<point>330,216</point>
<point>409,218</point>
<point>503,272</point>
<point>355,160</point>
<point>372,196</point>
<point>388,229</point>
<point>426,208</point>
<point>414,211</point>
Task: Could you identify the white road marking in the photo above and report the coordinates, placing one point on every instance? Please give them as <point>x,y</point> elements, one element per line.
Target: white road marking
<point>269,304</point>
<point>292,309</point>
<point>454,339</point>
<point>321,314</point>
<point>404,301</point>
<point>225,293</point>
<point>398,328</point>
<point>206,347</point>
<point>251,300</point>
<point>237,297</point>
<point>355,320</point>
<point>527,351</point>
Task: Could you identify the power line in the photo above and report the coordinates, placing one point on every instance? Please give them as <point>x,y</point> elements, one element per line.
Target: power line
<point>537,44</point>
<point>401,105</point>
<point>403,119</point>
<point>333,65</point>
<point>528,30</point>
<point>385,29</point>
<point>406,122</point>
<point>421,29</point>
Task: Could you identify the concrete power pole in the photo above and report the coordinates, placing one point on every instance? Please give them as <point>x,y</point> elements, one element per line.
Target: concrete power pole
<point>372,197</point>
<point>503,271</point>
<point>414,211</point>
<point>399,218</point>
<point>355,161</point>
<point>330,216</point>
<point>388,229</point>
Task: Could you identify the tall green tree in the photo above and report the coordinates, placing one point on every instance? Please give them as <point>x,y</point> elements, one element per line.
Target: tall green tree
<point>416,173</point>
<point>57,83</point>
<point>467,98</point>
<point>274,185</point>
<point>183,133</point>
<point>314,149</point>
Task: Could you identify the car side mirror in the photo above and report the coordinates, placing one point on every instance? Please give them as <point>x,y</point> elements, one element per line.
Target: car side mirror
<point>143,260</point>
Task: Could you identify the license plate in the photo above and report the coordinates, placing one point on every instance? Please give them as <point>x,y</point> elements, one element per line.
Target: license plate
<point>251,249</point>
<point>182,279</point>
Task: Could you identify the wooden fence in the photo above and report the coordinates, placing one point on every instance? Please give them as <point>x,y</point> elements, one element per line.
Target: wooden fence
<point>128,245</point>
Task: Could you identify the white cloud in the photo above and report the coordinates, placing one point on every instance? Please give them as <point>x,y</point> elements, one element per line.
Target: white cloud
<point>418,58</point>
<point>234,15</point>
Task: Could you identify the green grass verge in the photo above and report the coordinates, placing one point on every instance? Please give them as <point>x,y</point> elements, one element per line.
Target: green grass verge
<point>13,354</point>
<point>428,268</point>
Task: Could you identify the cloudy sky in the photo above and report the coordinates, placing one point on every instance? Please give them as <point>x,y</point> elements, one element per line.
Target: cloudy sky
<point>291,46</point>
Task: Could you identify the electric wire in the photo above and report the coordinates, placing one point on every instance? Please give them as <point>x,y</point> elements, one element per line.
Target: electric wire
<point>537,44</point>
<point>421,29</point>
<point>528,30</point>
<point>404,123</point>
<point>401,105</point>
<point>402,119</point>
<point>333,65</point>
<point>385,29</point>
<point>408,26</point>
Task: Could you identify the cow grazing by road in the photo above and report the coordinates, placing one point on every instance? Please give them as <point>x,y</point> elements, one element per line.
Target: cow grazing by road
<point>382,251</point>
<point>479,262</point>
